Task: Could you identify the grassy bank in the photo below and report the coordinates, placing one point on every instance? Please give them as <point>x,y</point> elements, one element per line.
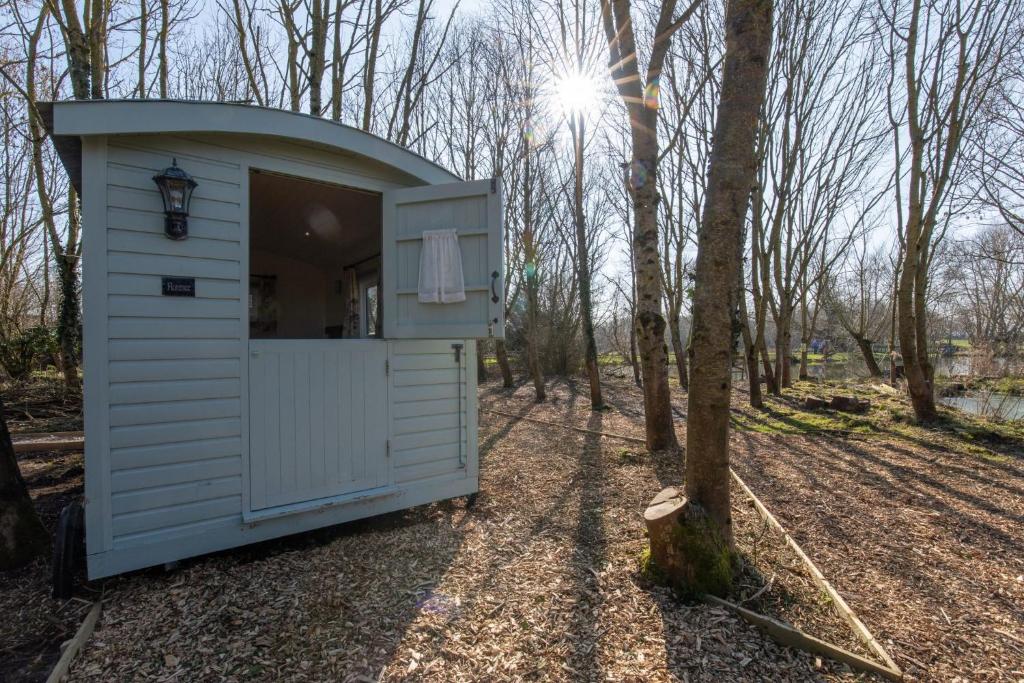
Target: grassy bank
<point>890,416</point>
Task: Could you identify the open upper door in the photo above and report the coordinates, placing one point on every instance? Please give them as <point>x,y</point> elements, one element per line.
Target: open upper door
<point>473,209</point>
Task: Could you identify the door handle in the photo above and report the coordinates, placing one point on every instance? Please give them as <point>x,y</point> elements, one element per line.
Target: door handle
<point>494,284</point>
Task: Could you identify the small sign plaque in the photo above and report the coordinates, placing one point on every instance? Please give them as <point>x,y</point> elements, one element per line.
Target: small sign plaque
<point>179,286</point>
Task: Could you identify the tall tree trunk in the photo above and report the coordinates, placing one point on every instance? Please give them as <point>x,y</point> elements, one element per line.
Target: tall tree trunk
<point>65,255</point>
<point>533,339</point>
<point>771,380</point>
<point>731,172</point>
<point>143,50</point>
<point>318,18</point>
<point>679,349</point>
<point>805,339</point>
<point>165,27</point>
<point>97,48</point>
<point>22,535</point>
<point>506,368</point>
<point>481,366</point>
<point>370,69</point>
<point>749,348</point>
<point>337,64</point>
<point>783,342</point>
<point>869,356</point>
<point>532,331</point>
<point>634,359</point>
<point>578,130</point>
<point>921,396</point>
<point>650,321</point>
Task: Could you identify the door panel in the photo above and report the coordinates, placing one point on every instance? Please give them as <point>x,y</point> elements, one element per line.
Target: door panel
<point>318,419</point>
<point>474,210</point>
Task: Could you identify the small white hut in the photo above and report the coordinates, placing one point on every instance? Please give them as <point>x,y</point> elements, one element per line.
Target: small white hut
<point>273,361</point>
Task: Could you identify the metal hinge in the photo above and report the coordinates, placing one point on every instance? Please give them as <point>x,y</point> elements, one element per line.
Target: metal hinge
<point>387,367</point>
<point>387,447</point>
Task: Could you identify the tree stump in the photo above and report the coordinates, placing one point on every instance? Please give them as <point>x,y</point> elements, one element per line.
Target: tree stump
<point>814,403</point>
<point>687,551</point>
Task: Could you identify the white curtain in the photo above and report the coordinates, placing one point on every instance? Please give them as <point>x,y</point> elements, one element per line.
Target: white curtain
<point>441,280</point>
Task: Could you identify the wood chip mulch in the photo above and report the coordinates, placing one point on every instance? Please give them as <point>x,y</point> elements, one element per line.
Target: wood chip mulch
<point>539,581</point>
<point>925,544</point>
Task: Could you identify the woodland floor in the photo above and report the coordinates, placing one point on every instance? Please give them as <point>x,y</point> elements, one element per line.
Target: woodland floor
<point>920,530</point>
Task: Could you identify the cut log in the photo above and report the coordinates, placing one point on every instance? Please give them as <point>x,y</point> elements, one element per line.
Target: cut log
<point>815,403</point>
<point>850,404</point>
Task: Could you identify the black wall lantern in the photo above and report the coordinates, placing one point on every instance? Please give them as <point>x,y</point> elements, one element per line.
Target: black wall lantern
<point>176,190</point>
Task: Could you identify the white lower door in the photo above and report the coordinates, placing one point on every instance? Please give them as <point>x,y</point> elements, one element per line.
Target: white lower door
<point>317,419</point>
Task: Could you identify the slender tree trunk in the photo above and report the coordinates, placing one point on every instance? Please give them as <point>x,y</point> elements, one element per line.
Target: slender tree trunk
<point>65,255</point>
<point>370,72</point>
<point>805,339</point>
<point>650,321</point>
<point>481,366</point>
<point>532,353</point>
<point>770,379</point>
<point>634,359</point>
<point>583,266</point>
<point>318,18</point>
<point>749,348</point>
<point>143,36</point>
<point>532,331</point>
<point>22,535</point>
<point>731,173</point>
<point>97,48</point>
<point>165,27</point>
<point>869,356</point>
<point>337,64</point>
<point>506,368</point>
<point>921,396</point>
<point>783,342</point>
<point>679,349</point>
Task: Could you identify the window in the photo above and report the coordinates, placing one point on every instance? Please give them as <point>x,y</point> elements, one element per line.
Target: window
<point>370,309</point>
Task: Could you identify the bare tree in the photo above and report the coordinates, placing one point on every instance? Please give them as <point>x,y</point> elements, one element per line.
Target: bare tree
<point>859,295</point>
<point>703,558</point>
<point>640,99</point>
<point>944,60</point>
<point>986,272</point>
<point>820,138</point>
<point>689,94</point>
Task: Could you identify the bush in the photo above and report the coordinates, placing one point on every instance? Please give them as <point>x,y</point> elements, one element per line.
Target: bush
<point>28,350</point>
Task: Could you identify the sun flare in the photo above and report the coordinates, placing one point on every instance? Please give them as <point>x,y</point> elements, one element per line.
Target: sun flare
<point>576,92</point>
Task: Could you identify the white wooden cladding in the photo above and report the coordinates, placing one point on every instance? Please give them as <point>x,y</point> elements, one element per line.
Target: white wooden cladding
<point>474,210</point>
<point>430,423</point>
<point>167,398</point>
<point>318,419</point>
<point>173,372</point>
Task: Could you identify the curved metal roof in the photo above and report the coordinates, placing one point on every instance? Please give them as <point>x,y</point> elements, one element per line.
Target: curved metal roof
<point>69,120</point>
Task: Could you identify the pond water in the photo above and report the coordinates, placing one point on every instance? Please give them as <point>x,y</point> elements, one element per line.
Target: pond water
<point>1000,406</point>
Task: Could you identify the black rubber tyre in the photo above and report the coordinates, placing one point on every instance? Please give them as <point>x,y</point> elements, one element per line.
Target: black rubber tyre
<point>471,500</point>
<point>68,550</point>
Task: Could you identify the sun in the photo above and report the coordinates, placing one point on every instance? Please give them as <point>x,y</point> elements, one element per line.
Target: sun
<point>576,92</point>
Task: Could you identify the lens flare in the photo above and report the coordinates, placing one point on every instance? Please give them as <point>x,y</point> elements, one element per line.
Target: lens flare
<point>652,94</point>
<point>576,92</point>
